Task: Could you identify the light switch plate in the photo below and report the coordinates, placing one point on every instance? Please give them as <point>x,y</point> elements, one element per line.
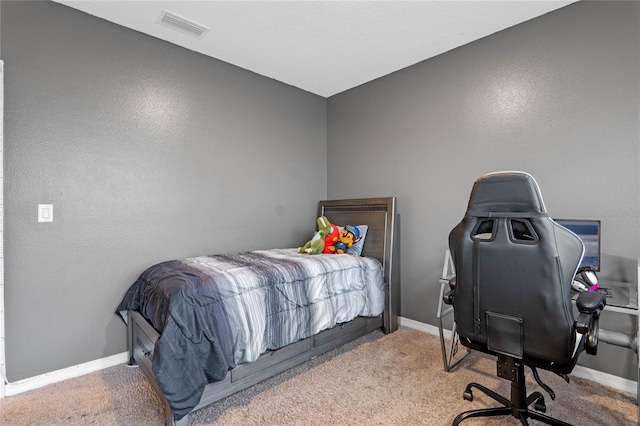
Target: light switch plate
<point>45,212</point>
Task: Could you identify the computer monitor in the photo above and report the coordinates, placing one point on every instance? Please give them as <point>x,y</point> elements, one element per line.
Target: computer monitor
<point>589,233</point>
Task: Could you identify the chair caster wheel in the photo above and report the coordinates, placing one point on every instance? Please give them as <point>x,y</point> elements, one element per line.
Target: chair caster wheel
<point>540,406</point>
<point>467,395</point>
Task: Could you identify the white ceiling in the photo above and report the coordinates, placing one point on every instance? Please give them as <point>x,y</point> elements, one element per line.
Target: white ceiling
<point>324,47</point>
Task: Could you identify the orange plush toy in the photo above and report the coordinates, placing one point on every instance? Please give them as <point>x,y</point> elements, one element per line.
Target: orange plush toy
<point>331,240</point>
<point>350,235</point>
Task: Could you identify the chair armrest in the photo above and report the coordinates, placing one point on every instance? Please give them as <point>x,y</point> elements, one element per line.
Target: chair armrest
<point>452,283</point>
<point>591,301</point>
<point>590,304</point>
<point>448,296</point>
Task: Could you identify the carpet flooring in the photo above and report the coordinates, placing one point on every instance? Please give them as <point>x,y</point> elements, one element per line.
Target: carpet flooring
<point>395,379</point>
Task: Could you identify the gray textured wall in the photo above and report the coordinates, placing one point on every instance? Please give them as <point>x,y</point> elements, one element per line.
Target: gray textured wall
<point>557,96</point>
<point>148,152</point>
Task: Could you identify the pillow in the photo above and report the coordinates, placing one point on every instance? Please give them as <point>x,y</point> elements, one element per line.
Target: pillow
<point>356,248</point>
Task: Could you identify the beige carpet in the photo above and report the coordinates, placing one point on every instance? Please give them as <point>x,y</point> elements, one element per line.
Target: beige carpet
<point>397,379</point>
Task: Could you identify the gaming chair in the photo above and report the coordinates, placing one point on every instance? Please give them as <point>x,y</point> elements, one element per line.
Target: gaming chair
<point>512,291</point>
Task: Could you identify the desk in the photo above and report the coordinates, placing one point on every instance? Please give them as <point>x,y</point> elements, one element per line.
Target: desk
<point>622,297</point>
<point>448,354</point>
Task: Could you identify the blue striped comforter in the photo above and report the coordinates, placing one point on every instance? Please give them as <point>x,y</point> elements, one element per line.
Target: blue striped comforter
<point>214,312</point>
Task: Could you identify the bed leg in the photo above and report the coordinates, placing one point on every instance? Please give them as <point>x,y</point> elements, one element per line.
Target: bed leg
<point>390,314</point>
<point>168,417</point>
<point>182,422</point>
<point>132,362</point>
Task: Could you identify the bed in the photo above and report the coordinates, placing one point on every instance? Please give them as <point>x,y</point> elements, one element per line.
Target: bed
<point>194,345</point>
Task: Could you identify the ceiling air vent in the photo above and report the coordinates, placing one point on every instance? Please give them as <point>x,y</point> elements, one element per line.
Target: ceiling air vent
<point>182,24</point>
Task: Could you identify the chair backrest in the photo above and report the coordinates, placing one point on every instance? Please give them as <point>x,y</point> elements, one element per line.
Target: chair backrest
<point>514,267</point>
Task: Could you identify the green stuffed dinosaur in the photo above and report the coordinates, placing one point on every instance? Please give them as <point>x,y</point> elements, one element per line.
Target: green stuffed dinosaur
<point>316,244</point>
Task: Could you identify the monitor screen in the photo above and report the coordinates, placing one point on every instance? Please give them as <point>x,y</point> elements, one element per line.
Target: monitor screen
<point>589,233</point>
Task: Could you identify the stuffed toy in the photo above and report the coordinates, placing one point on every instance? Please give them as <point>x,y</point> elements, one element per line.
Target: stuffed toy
<point>350,234</point>
<point>316,244</point>
<point>331,240</point>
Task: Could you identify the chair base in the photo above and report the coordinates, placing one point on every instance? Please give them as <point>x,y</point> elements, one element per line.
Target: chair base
<point>517,407</point>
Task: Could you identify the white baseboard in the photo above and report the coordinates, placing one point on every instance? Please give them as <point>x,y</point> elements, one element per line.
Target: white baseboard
<point>629,387</point>
<point>421,326</point>
<point>64,374</point>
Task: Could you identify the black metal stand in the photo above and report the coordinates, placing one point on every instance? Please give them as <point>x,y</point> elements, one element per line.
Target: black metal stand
<point>518,406</point>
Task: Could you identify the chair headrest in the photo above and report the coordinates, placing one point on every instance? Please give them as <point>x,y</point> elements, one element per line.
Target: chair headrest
<point>505,192</point>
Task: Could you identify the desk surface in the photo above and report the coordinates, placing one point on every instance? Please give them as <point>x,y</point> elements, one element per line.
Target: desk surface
<point>621,296</point>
